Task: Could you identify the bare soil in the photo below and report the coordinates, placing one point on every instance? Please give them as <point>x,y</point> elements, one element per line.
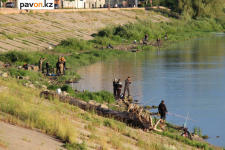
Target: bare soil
<point>17,138</point>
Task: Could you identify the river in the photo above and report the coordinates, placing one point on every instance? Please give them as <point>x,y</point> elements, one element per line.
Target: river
<point>189,76</point>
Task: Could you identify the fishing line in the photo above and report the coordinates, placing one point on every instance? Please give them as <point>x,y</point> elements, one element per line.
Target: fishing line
<point>149,101</point>
<point>182,117</point>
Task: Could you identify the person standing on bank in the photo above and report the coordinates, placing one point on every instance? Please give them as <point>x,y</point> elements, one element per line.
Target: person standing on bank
<point>146,37</point>
<point>126,87</point>
<point>119,87</point>
<point>158,41</point>
<point>40,63</point>
<point>162,111</point>
<point>47,67</point>
<point>114,87</point>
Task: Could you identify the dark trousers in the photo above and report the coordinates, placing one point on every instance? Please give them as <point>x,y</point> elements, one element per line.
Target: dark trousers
<point>40,67</point>
<point>128,90</point>
<point>118,93</point>
<point>57,70</point>
<point>114,91</point>
<point>47,70</point>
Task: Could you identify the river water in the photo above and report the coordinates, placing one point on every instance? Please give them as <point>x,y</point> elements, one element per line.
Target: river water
<point>189,76</point>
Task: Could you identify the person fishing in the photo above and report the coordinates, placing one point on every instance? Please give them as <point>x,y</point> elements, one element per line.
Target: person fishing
<point>162,111</point>
<point>119,87</point>
<point>114,86</point>
<point>126,88</point>
<point>146,37</point>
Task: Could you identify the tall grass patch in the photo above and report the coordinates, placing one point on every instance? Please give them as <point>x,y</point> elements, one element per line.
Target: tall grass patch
<point>100,97</point>
<point>72,45</point>
<point>23,105</point>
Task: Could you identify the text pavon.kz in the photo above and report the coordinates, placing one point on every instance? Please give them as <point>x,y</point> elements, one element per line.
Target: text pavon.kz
<point>36,4</point>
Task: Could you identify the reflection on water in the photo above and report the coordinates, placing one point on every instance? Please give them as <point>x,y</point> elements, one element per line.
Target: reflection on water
<point>188,75</point>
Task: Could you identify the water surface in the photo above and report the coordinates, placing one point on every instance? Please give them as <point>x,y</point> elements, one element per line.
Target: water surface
<point>189,76</point>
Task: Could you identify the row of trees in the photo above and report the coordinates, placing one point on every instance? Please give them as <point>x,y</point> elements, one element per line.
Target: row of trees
<point>194,8</point>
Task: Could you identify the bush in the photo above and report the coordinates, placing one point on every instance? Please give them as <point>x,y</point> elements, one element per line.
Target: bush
<point>19,72</point>
<point>53,87</point>
<point>68,89</point>
<point>72,45</point>
<point>100,97</point>
<point>137,30</point>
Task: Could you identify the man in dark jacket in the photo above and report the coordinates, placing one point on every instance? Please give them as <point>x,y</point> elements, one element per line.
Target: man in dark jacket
<point>47,67</point>
<point>162,111</point>
<point>57,67</point>
<point>126,87</point>
<point>114,86</point>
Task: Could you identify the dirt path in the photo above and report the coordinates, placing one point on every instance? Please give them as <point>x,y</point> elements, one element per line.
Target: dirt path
<point>17,138</point>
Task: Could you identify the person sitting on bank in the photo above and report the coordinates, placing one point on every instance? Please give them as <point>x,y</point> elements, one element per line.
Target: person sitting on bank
<point>166,37</point>
<point>119,87</point>
<point>162,111</point>
<point>110,46</point>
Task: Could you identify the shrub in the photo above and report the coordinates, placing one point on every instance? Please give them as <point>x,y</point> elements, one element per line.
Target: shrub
<point>72,45</point>
<point>68,89</point>
<point>19,72</point>
<point>100,97</point>
<point>53,87</point>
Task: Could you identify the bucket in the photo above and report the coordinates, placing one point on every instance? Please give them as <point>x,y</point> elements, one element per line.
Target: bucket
<point>59,91</point>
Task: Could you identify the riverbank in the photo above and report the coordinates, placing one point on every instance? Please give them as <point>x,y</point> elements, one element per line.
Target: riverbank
<point>89,126</point>
<point>116,35</point>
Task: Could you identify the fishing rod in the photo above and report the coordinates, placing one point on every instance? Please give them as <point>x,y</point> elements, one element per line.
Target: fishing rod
<point>149,101</point>
<point>182,117</point>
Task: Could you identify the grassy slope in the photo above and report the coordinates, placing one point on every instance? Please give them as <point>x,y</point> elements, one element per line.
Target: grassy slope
<point>74,125</point>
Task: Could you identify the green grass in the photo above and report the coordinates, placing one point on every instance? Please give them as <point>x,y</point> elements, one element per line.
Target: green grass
<point>73,60</point>
<point>100,97</point>
<point>34,76</point>
<point>197,131</point>
<point>73,44</point>
<point>75,146</point>
<point>186,140</point>
<point>35,114</point>
<point>176,29</point>
<point>56,118</point>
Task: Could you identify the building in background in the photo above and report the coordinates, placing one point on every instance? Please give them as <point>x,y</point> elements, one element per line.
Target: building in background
<point>123,3</point>
<point>79,3</point>
<point>69,4</point>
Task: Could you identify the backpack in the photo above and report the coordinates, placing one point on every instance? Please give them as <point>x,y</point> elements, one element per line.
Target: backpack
<point>62,59</point>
